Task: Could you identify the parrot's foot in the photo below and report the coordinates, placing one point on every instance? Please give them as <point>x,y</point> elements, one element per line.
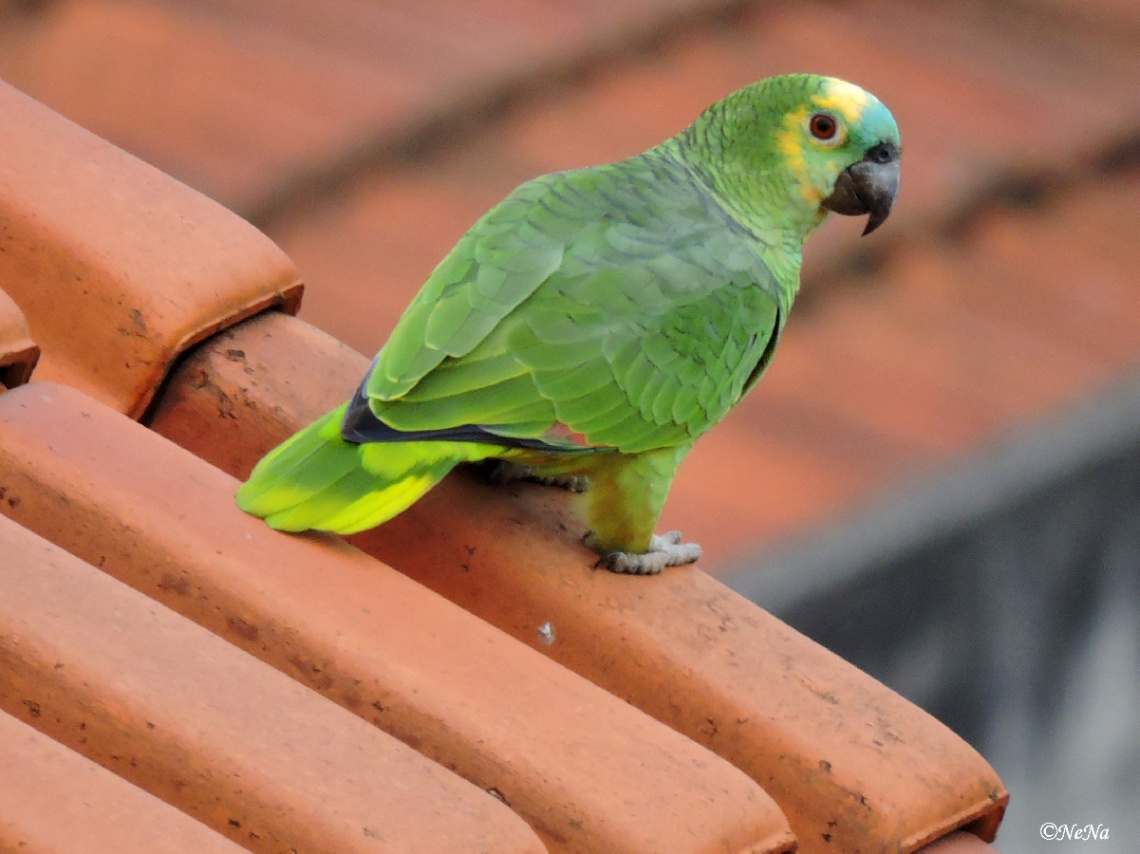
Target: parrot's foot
<point>504,471</point>
<point>664,550</point>
<point>570,482</point>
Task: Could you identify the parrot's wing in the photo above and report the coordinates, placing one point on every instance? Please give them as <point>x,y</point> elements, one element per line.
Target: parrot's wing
<point>650,354</point>
<point>583,311</point>
<point>493,268</point>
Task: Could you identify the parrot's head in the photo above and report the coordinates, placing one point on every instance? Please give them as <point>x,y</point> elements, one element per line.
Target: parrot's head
<point>790,149</point>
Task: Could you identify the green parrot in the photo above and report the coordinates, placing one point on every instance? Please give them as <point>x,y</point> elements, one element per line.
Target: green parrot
<point>596,322</point>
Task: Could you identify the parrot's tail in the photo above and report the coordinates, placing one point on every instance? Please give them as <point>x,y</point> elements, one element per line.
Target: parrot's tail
<point>315,479</point>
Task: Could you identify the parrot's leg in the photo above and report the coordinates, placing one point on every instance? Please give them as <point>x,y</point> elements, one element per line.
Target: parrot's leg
<point>505,471</point>
<point>622,508</point>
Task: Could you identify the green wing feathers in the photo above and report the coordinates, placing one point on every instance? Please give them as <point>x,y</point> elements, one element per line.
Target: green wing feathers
<point>317,480</point>
<point>614,301</point>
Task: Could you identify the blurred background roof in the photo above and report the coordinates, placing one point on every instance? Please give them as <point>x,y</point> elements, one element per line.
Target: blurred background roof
<point>365,137</point>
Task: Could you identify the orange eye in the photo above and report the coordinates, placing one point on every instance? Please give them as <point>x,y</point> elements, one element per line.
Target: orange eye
<point>823,126</point>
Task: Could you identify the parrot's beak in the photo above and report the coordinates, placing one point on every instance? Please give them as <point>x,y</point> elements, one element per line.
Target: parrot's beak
<point>869,186</point>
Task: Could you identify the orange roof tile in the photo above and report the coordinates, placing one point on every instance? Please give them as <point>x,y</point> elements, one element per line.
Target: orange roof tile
<point>193,720</point>
<point>958,843</point>
<point>53,799</point>
<point>405,660</point>
<point>118,268</point>
<point>18,353</point>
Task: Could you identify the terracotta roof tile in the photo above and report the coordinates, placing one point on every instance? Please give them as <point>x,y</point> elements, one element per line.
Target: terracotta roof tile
<point>118,268</point>
<point>958,843</point>
<point>228,105</point>
<point>188,717</point>
<point>53,799</point>
<point>398,656</point>
<point>18,353</point>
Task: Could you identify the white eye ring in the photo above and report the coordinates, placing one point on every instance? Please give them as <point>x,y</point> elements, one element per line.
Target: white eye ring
<point>826,129</point>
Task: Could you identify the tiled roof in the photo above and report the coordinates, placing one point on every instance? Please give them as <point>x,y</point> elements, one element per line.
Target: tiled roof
<point>364,138</point>
<point>181,686</point>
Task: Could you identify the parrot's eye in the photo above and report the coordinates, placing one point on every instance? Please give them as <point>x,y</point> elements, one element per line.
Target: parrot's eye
<point>823,126</point>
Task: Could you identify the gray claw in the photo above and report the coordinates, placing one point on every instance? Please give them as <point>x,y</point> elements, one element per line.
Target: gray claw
<point>570,482</point>
<point>664,550</point>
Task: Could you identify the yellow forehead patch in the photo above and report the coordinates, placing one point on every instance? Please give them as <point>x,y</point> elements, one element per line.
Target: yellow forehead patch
<point>845,98</point>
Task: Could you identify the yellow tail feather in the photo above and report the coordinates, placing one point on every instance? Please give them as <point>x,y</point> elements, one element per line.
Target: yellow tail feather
<point>315,479</point>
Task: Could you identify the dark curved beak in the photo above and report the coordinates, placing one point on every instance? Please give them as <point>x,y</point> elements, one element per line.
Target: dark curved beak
<point>868,187</point>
